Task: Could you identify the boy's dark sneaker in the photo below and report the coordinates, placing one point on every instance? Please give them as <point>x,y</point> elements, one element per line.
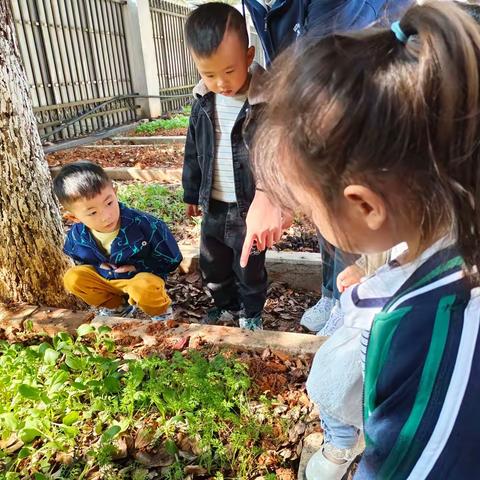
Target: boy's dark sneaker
<point>251,323</point>
<point>217,315</point>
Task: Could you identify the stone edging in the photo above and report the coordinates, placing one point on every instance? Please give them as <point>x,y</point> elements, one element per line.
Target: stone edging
<point>153,140</point>
<point>51,321</point>
<point>165,175</point>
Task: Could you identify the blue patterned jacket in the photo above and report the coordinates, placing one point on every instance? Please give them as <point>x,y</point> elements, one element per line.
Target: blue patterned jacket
<point>143,241</point>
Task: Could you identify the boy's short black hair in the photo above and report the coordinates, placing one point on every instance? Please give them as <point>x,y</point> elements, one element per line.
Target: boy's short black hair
<point>207,24</point>
<point>82,179</point>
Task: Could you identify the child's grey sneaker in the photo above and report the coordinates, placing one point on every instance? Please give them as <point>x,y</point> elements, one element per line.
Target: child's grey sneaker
<point>330,463</point>
<point>253,323</point>
<point>316,317</point>
<point>164,316</point>
<point>217,315</point>
<point>126,311</point>
<point>335,321</point>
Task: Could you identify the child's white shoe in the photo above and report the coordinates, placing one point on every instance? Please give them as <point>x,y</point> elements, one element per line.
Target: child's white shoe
<point>164,316</point>
<point>334,322</point>
<point>125,310</point>
<point>330,463</point>
<point>315,317</point>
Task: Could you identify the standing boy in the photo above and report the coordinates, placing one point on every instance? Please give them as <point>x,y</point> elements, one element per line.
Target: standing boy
<point>217,175</point>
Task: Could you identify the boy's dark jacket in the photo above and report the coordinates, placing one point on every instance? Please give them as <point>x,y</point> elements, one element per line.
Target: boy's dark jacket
<point>200,146</point>
<point>143,241</point>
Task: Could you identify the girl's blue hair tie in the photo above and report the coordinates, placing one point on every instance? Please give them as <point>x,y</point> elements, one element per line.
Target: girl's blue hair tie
<point>399,33</point>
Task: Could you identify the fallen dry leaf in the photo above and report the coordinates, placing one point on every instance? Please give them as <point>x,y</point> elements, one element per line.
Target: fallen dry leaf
<point>160,458</point>
<point>194,470</point>
<point>144,438</point>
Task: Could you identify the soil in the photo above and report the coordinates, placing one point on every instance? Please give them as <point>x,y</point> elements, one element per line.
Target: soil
<point>282,312</point>
<point>151,156</point>
<point>300,237</point>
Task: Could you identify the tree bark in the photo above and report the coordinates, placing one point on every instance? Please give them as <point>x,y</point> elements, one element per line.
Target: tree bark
<point>31,233</point>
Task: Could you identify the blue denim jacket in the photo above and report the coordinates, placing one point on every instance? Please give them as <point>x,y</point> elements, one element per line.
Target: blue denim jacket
<point>143,241</point>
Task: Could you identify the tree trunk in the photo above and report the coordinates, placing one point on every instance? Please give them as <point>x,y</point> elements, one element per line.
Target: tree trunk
<point>31,234</point>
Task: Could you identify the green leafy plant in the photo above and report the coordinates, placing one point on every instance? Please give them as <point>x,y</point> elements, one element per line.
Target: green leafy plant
<point>177,121</point>
<point>163,201</point>
<point>65,403</point>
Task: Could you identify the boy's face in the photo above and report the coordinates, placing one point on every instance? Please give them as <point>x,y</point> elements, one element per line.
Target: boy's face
<point>100,213</point>
<point>226,71</point>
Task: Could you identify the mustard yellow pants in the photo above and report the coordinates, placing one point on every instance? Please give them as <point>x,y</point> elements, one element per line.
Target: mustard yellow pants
<point>145,290</point>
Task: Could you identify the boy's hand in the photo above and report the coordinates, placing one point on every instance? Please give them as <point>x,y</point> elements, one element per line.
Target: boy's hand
<point>107,266</point>
<point>193,210</point>
<point>125,269</point>
<point>348,277</point>
<point>264,226</point>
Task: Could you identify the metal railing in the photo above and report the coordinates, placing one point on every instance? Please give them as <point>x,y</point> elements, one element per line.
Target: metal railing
<point>75,57</point>
<point>177,74</point>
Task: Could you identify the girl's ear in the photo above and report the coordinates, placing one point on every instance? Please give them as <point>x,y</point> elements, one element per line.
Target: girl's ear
<point>250,55</point>
<point>366,205</point>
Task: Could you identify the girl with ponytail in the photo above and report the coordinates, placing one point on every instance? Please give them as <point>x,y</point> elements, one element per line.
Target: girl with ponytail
<point>376,135</point>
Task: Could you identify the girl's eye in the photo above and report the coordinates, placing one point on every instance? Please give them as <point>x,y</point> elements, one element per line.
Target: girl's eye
<point>231,71</point>
<point>110,202</point>
<point>91,214</point>
<point>209,76</point>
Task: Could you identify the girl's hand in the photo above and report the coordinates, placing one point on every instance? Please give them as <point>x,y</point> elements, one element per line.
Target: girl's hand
<point>348,277</point>
<point>193,210</point>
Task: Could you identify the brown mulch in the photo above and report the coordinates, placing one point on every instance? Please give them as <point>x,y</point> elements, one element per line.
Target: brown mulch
<point>300,237</point>
<point>282,312</point>
<point>159,156</point>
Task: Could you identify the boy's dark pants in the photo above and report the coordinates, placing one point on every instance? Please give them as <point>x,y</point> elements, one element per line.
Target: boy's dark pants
<point>232,287</point>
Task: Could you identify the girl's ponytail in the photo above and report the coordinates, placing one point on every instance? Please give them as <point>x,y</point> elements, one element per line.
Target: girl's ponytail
<point>446,41</point>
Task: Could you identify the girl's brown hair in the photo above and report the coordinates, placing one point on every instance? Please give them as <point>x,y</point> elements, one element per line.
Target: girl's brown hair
<point>400,118</point>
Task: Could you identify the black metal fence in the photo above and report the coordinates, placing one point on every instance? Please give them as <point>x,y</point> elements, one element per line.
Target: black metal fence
<point>177,74</point>
<point>75,56</point>
<point>77,62</point>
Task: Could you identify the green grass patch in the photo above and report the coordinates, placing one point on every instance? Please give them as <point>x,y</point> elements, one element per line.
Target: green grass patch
<point>66,404</point>
<point>177,121</point>
<point>164,202</point>
<point>187,110</point>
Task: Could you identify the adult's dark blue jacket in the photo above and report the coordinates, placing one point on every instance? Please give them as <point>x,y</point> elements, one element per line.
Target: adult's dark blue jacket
<point>281,24</point>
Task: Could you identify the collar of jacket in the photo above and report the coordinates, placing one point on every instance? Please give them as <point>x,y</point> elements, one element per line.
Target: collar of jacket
<point>256,90</point>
